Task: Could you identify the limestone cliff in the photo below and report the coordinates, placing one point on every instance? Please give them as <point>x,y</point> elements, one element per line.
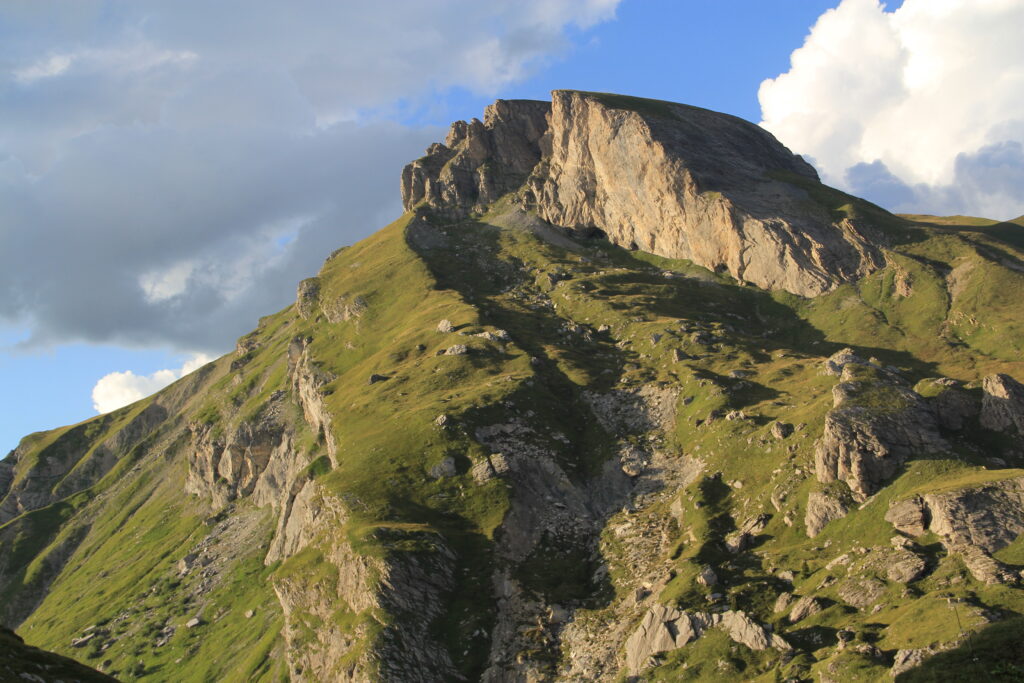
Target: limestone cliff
<point>674,180</point>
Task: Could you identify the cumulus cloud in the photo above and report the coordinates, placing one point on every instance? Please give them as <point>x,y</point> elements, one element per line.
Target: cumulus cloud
<point>919,108</point>
<point>118,389</point>
<point>170,171</point>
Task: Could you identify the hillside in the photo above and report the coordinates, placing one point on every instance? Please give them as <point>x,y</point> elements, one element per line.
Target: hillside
<point>625,394</point>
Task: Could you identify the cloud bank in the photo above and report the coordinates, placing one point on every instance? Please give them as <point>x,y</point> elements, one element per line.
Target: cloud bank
<point>920,109</point>
<point>170,171</point>
<point>118,389</point>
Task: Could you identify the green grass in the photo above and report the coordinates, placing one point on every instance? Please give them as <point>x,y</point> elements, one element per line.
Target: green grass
<point>590,318</point>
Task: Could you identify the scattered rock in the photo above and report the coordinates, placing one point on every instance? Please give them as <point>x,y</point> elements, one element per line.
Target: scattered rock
<point>445,326</point>
<point>457,350</point>
<point>193,622</point>
<point>780,430</point>
<point>185,563</point>
<point>374,378</point>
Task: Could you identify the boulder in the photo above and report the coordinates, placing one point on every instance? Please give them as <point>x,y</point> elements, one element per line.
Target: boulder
<point>821,509</point>
<point>781,430</point>
<point>662,629</point>
<point>743,538</point>
<point>805,607</point>
<point>909,516</point>
<point>903,566</point>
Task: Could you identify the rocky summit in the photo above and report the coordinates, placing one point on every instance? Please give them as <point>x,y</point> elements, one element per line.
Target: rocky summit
<point>626,394</point>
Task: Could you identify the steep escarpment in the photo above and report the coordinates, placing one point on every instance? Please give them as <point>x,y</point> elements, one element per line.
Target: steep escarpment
<point>495,442</point>
<point>670,179</point>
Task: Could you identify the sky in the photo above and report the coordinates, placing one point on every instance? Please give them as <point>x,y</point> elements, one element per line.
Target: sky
<point>169,171</point>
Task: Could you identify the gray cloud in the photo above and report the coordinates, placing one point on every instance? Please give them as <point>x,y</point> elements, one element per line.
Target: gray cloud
<point>988,182</point>
<point>169,171</point>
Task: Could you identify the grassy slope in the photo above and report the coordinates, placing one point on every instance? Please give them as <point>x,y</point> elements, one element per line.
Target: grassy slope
<point>492,278</point>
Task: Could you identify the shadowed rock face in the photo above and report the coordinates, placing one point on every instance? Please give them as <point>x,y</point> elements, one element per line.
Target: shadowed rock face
<point>674,180</point>
<point>479,162</point>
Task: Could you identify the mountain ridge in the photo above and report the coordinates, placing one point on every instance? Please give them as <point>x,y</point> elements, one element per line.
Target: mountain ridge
<point>483,445</point>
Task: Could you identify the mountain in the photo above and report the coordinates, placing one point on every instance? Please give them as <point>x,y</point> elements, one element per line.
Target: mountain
<point>625,394</point>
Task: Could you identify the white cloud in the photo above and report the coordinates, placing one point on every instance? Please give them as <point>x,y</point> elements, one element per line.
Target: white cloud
<point>52,66</point>
<point>118,389</point>
<point>928,91</point>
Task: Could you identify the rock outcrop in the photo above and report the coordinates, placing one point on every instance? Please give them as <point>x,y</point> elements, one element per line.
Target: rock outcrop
<point>479,161</point>
<point>972,521</point>
<point>664,629</point>
<point>224,467</point>
<point>1002,407</point>
<point>876,424</point>
<point>684,182</point>
<point>674,180</point>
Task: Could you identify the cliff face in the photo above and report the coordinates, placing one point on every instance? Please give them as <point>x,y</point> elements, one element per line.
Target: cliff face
<point>673,180</point>
<point>487,444</point>
<point>478,162</point>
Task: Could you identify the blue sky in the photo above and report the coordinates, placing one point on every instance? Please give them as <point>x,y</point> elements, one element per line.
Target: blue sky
<point>170,171</point>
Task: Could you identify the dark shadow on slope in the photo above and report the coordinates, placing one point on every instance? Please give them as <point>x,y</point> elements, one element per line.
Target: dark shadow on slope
<point>995,653</point>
